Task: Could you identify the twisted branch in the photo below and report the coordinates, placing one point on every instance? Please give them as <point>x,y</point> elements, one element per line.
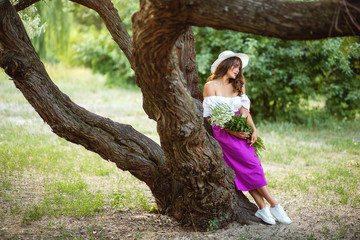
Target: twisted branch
<point>22,4</point>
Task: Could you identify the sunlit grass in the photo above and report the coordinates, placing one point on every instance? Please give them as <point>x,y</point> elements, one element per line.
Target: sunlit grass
<point>324,163</point>
<point>65,178</point>
<point>73,180</point>
<point>66,197</point>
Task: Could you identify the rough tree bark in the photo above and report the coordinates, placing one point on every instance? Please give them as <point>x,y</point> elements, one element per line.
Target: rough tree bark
<point>186,174</point>
<point>281,19</point>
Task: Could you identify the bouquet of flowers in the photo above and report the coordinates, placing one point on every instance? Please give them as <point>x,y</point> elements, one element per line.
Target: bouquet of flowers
<point>225,118</point>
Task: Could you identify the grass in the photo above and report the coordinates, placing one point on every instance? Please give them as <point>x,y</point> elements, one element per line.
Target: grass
<point>317,161</point>
<point>29,151</point>
<point>63,198</point>
<point>44,176</point>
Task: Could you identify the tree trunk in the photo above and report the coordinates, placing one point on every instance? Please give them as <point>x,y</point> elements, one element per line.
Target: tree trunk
<point>191,154</point>
<point>186,175</point>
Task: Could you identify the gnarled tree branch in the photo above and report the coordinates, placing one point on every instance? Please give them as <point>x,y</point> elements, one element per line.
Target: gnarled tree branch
<point>22,4</point>
<point>272,18</point>
<point>119,143</point>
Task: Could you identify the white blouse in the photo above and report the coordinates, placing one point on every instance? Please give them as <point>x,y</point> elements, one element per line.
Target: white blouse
<point>235,103</point>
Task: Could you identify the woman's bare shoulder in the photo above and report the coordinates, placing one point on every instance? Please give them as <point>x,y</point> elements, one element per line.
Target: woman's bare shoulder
<point>213,83</point>
<point>210,88</point>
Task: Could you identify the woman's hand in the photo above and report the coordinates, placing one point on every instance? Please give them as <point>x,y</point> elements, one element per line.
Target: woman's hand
<point>253,137</point>
<point>241,135</point>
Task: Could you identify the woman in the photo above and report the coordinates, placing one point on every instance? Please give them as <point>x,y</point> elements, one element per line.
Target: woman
<point>227,85</point>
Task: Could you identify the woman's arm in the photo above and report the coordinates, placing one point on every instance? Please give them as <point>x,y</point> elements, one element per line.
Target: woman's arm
<point>250,121</point>
<point>241,135</point>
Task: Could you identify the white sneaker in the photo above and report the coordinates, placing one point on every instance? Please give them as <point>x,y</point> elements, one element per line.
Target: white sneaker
<point>265,215</point>
<point>279,213</point>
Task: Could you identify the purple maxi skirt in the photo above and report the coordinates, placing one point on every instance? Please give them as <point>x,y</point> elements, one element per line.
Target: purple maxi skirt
<point>241,157</point>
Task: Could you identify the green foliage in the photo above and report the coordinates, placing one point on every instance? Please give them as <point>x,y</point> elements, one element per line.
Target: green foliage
<point>282,74</point>
<point>213,225</point>
<point>133,199</point>
<point>56,25</point>
<point>84,17</point>
<point>94,47</point>
<point>53,42</point>
<point>338,81</point>
<point>240,124</point>
<point>96,50</point>
<point>32,21</point>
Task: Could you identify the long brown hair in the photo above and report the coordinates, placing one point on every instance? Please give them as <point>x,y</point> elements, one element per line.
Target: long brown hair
<point>223,68</point>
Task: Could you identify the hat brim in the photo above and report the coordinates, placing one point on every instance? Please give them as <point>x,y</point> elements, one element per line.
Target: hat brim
<point>244,60</point>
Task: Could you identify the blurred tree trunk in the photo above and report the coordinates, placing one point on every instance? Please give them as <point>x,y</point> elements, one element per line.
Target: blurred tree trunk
<point>186,174</point>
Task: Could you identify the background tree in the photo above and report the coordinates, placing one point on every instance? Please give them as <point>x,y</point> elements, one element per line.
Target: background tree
<point>186,174</point>
<point>94,48</point>
<point>56,26</point>
<point>308,69</point>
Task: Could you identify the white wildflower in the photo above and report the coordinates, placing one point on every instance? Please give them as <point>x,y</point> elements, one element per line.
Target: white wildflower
<point>221,114</point>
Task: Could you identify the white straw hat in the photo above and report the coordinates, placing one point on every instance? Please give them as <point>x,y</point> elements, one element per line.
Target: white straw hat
<point>228,54</point>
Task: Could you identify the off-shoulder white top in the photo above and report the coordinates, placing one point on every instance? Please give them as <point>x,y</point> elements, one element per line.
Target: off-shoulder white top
<point>235,103</point>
